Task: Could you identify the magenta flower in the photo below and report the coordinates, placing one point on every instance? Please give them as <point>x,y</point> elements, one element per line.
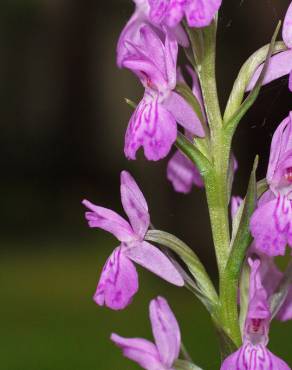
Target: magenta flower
<point>131,31</point>
<point>253,354</point>
<point>162,354</point>
<point>271,223</point>
<point>280,64</point>
<point>119,280</point>
<point>271,277</point>
<point>199,13</point>
<point>153,123</point>
<point>269,273</point>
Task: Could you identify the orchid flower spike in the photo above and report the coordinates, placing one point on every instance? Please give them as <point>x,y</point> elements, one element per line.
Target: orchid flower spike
<point>280,64</point>
<point>271,223</point>
<point>119,280</point>
<point>253,354</point>
<point>153,124</point>
<point>198,13</point>
<point>166,332</point>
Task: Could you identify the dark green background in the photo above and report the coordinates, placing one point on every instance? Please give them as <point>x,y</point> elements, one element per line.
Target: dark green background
<point>62,124</point>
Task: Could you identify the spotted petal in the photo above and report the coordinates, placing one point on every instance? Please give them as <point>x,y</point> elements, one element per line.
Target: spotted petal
<point>250,357</point>
<point>118,282</point>
<point>152,127</point>
<point>271,226</point>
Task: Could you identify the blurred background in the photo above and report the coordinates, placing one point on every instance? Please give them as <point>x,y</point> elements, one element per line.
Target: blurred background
<point>63,120</point>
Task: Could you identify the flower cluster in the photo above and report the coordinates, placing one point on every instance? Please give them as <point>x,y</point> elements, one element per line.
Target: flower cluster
<point>253,290</point>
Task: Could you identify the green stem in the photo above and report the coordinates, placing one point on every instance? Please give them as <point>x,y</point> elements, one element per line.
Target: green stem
<point>216,183</point>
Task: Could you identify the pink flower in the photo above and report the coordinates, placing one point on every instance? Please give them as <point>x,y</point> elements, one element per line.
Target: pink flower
<point>153,123</point>
<point>166,332</point>
<point>140,17</point>
<point>271,223</point>
<point>119,280</point>
<point>270,275</point>
<point>199,13</point>
<point>253,354</point>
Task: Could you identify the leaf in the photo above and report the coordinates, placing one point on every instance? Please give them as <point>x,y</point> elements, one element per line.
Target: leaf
<point>185,365</point>
<point>194,154</point>
<point>205,290</point>
<point>231,120</point>
<point>243,238</point>
<point>131,103</point>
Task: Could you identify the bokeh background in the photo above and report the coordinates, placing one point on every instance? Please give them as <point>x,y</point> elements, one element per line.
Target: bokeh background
<point>63,120</point>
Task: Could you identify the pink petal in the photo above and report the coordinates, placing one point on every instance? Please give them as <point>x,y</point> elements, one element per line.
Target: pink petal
<point>171,51</point>
<point>200,13</point>
<point>158,9</point>
<point>165,331</point>
<point>281,143</point>
<point>139,350</point>
<point>134,204</point>
<point>285,312</point>
<point>118,282</point>
<point>131,31</point>
<point>152,127</point>
<point>280,65</point>
<point>147,72</point>
<point>184,114</point>
<point>270,274</point>
<point>250,357</point>
<point>258,307</point>
<point>151,47</point>
<point>155,261</point>
<point>287,28</point>
<point>181,36</point>
<point>108,220</point>
<point>271,226</point>
<point>183,174</point>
